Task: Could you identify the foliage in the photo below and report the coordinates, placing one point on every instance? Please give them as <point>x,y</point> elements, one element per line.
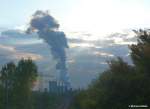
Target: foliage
<point>45,100</point>
<point>121,85</point>
<point>16,82</point>
<point>141,51</point>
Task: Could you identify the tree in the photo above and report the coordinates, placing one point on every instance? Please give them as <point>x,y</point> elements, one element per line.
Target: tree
<point>26,73</point>
<point>112,88</point>
<point>7,81</point>
<point>121,84</point>
<point>1,97</point>
<point>16,82</point>
<point>140,52</point>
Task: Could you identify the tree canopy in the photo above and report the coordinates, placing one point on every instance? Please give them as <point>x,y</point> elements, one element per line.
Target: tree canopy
<point>16,83</point>
<point>121,85</point>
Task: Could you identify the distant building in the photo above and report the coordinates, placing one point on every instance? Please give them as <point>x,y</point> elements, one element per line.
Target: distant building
<point>48,83</point>
<point>58,87</point>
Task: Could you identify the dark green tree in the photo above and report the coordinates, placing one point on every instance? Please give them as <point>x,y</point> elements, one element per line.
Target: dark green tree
<point>121,84</point>
<point>26,73</point>
<point>1,97</point>
<point>16,82</point>
<point>6,84</point>
<point>110,90</point>
<point>140,52</point>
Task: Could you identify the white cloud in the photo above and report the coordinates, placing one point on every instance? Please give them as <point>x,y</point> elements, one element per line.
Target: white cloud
<point>100,53</point>
<point>7,48</point>
<point>83,45</point>
<point>26,55</point>
<point>70,61</point>
<point>21,27</point>
<point>12,53</point>
<point>106,16</point>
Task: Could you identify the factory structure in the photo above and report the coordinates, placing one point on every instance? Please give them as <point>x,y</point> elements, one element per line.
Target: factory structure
<point>58,87</point>
<point>48,83</point>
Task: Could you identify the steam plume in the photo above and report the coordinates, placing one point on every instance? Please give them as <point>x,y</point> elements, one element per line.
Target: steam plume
<point>47,28</point>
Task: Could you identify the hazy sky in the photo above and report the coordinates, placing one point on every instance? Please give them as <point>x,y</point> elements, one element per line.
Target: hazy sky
<point>81,17</point>
<point>93,16</point>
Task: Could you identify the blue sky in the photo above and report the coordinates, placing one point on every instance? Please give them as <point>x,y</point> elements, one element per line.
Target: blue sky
<point>94,16</point>
<point>16,12</point>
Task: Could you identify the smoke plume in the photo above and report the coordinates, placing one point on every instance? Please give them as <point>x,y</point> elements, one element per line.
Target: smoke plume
<point>47,28</point>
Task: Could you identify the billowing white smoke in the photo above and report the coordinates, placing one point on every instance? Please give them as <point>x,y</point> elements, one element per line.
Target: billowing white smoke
<point>47,29</point>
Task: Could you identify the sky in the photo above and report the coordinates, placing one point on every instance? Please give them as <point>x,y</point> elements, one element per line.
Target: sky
<point>84,22</point>
<point>92,16</point>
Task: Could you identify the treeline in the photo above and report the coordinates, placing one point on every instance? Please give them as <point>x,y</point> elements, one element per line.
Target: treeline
<point>122,85</point>
<point>46,100</point>
<point>16,84</point>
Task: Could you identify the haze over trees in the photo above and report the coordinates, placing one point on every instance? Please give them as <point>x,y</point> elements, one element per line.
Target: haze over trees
<point>122,85</point>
